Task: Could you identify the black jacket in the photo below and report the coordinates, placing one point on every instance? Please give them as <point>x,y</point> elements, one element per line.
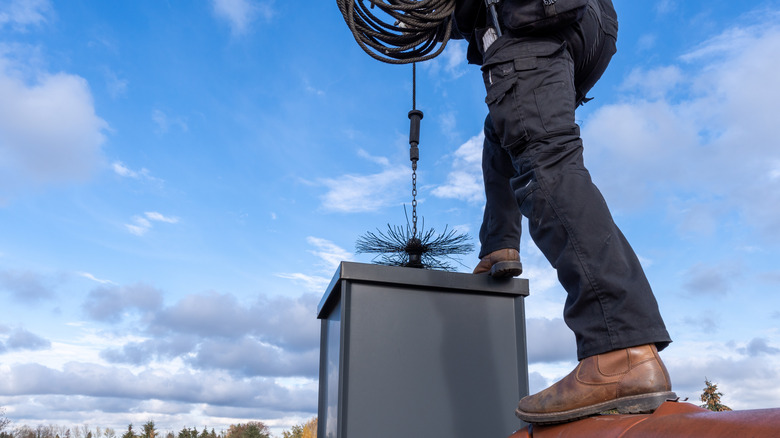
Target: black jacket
<point>469,16</point>
<point>516,17</point>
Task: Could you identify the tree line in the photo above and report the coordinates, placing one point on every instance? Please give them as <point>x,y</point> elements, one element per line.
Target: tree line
<point>252,429</point>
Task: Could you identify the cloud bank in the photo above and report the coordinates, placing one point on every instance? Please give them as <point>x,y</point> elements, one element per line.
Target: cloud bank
<point>703,127</point>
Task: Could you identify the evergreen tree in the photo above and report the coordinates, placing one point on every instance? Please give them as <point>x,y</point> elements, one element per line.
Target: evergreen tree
<point>129,433</point>
<point>711,397</point>
<point>188,433</point>
<point>149,431</point>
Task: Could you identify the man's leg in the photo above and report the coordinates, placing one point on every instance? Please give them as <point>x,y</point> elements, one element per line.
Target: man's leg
<point>499,235</point>
<point>610,306</point>
<point>610,303</point>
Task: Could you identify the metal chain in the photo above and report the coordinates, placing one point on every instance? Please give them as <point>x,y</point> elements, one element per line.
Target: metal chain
<point>414,199</point>
<point>414,162</point>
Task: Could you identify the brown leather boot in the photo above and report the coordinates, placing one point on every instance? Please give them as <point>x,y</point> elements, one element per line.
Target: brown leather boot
<point>631,380</point>
<point>501,263</point>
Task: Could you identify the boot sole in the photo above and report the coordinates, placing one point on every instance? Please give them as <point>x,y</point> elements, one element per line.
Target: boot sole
<point>509,268</point>
<point>635,404</point>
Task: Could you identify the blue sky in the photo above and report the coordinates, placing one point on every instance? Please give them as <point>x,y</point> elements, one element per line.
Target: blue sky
<point>178,181</point>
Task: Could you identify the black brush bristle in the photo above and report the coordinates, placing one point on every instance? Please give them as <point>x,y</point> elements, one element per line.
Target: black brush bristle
<point>399,246</point>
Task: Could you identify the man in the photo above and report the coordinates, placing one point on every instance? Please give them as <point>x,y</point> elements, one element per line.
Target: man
<point>550,55</point>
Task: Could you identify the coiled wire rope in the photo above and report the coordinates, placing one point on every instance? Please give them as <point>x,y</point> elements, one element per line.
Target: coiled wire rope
<point>420,25</point>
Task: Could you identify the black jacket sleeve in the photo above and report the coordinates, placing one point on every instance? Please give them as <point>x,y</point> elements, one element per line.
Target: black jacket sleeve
<point>469,15</point>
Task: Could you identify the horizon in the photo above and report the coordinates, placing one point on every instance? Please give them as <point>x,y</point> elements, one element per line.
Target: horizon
<point>178,183</point>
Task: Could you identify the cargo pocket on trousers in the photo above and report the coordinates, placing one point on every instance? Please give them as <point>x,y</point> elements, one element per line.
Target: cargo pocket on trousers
<point>504,111</point>
<point>555,105</point>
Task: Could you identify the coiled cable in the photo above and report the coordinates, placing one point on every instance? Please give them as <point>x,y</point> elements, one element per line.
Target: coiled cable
<point>420,31</point>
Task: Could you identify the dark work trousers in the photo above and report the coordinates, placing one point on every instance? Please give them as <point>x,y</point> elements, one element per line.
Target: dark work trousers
<point>532,165</point>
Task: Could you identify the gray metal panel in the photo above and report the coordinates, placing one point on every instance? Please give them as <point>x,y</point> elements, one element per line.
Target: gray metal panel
<point>522,350</point>
<point>346,329</point>
<point>331,363</point>
<point>430,364</point>
<point>322,396</point>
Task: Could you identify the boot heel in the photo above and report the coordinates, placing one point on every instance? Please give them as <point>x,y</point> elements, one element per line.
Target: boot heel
<point>644,404</point>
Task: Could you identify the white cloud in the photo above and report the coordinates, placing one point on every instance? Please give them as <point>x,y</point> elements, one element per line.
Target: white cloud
<point>363,193</point>
<point>26,286</point>
<point>153,215</point>
<point>141,224</point>
<point>287,323</point>
<point>665,6</point>
<point>21,339</point>
<point>548,296</point>
<point>251,357</point>
<point>116,86</point>
<point>107,303</point>
<point>311,88</point>
<point>747,382</point>
<point>536,382</point>
<point>646,42</point>
<point>549,340</point>
<point>455,58</point>
<point>164,123</point>
<point>49,132</point>
<point>382,161</point>
<point>704,127</point>
<point>89,276</point>
<point>759,347</point>
<point>452,61</point>
<point>139,227</point>
<point>448,123</point>
<point>711,280</point>
<point>465,179</point>
<point>207,348</point>
<point>120,169</point>
<point>655,83</point>
<point>774,173</point>
<point>94,380</point>
<point>330,254</point>
<point>312,283</point>
<point>23,13</point>
<point>241,13</point>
